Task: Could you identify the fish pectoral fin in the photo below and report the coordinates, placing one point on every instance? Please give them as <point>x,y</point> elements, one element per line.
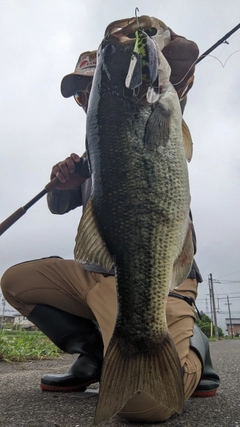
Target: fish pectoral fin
<point>183,263</point>
<point>158,375</point>
<point>157,128</point>
<point>187,139</point>
<point>90,247</point>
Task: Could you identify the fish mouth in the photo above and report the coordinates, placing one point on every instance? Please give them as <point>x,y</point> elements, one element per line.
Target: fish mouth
<point>139,42</point>
<point>123,30</point>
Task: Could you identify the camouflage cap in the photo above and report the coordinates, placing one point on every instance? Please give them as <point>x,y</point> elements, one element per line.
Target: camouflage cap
<point>78,80</point>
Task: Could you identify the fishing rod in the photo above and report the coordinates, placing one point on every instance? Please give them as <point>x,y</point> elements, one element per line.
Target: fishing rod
<point>21,211</point>
<point>8,222</point>
<point>222,40</point>
<point>54,182</point>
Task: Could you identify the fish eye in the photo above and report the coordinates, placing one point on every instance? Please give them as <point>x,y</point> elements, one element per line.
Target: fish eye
<point>151,32</point>
<point>131,35</point>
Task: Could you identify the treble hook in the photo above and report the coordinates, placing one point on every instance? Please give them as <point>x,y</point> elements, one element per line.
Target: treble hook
<point>137,10</point>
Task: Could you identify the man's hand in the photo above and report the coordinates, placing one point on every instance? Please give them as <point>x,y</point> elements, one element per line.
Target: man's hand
<point>65,172</point>
<point>181,55</point>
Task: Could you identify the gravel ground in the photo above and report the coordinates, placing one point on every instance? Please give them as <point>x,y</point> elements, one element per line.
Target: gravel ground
<point>23,404</point>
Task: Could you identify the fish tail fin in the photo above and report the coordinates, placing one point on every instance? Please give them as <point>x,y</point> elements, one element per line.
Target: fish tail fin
<point>158,374</point>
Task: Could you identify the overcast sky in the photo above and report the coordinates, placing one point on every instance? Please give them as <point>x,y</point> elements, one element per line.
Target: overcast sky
<point>40,43</point>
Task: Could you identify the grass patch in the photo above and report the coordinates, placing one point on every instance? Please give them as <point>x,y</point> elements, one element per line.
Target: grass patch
<point>19,346</point>
<point>230,338</point>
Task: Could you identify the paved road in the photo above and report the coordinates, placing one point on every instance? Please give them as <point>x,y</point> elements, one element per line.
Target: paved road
<point>23,404</point>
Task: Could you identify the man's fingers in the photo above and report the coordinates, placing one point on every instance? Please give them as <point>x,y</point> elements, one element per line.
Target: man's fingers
<point>63,170</point>
<point>70,166</point>
<point>76,158</point>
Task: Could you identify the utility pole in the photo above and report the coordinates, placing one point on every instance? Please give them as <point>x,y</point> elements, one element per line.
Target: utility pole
<point>210,296</point>
<point>207,309</point>
<point>3,312</point>
<point>230,318</point>
<point>213,305</point>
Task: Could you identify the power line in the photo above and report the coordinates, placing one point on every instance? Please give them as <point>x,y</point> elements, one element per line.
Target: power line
<point>229,274</point>
<point>236,313</point>
<point>232,297</point>
<point>227,282</point>
<point>230,293</point>
<point>223,282</point>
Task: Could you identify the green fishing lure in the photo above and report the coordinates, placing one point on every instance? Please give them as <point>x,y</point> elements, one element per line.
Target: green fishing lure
<point>144,61</point>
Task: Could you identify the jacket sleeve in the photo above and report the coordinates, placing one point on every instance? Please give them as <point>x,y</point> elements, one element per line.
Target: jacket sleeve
<point>62,201</point>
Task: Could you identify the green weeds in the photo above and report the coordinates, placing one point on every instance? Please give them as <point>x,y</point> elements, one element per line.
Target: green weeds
<point>20,346</point>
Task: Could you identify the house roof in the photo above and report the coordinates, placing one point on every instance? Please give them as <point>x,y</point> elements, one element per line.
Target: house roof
<point>234,321</point>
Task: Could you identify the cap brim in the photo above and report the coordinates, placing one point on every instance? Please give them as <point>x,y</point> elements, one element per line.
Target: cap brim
<point>74,82</point>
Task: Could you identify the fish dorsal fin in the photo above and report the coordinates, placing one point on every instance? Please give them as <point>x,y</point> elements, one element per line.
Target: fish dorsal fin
<point>187,139</point>
<point>90,247</point>
<point>157,128</point>
<point>183,263</point>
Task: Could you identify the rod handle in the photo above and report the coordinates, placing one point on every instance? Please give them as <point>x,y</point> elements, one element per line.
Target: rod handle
<point>52,184</point>
<point>11,219</point>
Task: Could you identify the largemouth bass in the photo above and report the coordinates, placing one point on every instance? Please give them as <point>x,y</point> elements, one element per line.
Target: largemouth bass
<point>137,218</point>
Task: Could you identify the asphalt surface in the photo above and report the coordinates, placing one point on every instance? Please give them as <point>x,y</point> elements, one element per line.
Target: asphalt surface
<point>23,404</point>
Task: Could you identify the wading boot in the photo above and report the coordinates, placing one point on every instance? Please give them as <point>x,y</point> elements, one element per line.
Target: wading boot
<point>209,381</point>
<point>72,334</point>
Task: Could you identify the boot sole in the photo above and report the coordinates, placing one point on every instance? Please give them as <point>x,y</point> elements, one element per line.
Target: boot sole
<point>209,393</point>
<point>68,389</point>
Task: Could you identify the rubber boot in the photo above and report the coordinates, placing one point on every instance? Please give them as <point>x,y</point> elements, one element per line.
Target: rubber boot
<point>209,381</point>
<point>72,334</point>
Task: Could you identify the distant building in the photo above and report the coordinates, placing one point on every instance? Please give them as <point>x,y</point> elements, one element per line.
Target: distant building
<point>22,322</point>
<point>8,318</point>
<point>233,326</point>
<point>13,319</point>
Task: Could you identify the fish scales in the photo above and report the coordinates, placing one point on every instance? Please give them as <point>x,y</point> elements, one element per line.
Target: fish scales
<point>140,202</point>
<point>132,199</point>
